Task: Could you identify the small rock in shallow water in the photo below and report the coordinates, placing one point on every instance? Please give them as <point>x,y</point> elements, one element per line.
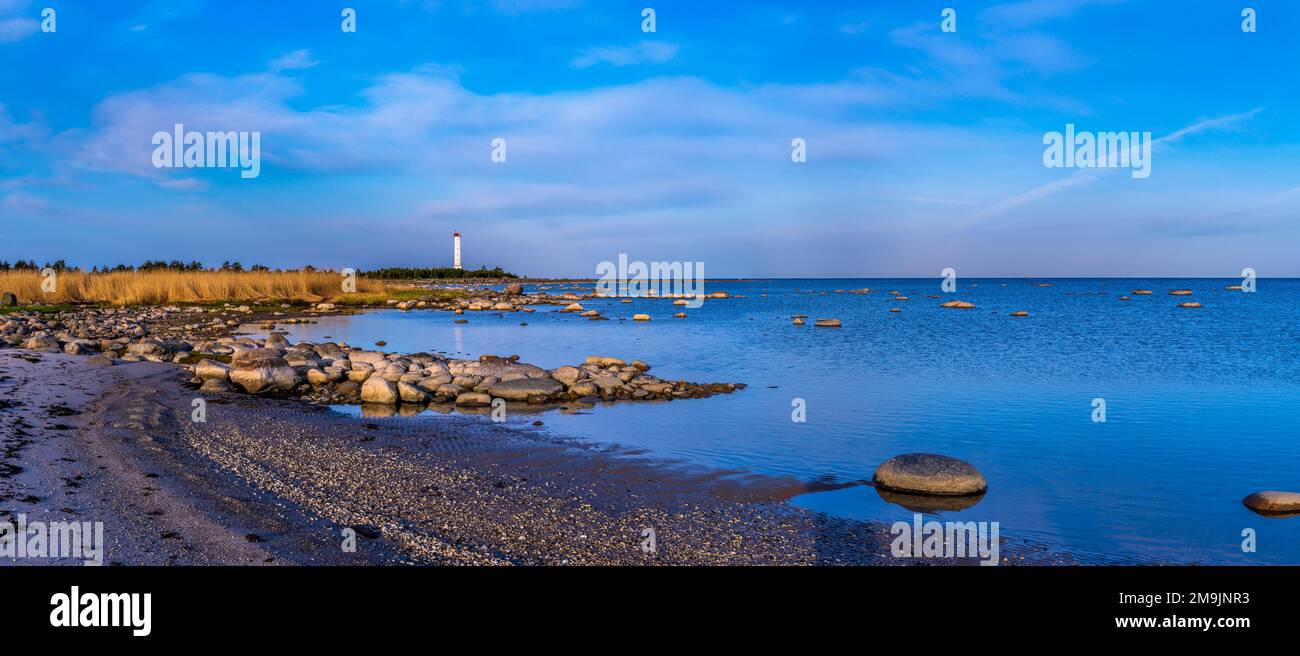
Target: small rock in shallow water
<point>958,305</point>
<point>928,473</point>
<point>827,323</point>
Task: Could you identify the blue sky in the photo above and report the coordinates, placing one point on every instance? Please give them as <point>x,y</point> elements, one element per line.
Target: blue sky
<point>924,147</point>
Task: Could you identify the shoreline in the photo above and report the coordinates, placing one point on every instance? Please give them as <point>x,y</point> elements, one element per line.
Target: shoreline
<point>272,481</point>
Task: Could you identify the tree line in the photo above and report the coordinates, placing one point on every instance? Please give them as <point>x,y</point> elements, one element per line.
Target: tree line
<point>389,273</point>
<point>436,273</point>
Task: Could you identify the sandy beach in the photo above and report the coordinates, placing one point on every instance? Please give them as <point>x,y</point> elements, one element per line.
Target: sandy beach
<point>267,481</point>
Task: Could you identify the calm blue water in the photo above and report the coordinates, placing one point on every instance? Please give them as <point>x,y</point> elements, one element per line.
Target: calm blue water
<point>1202,405</point>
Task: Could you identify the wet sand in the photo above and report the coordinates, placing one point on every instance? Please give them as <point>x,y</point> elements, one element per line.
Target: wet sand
<point>266,481</point>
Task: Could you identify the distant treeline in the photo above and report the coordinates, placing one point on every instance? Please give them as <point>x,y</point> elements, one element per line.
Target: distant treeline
<point>439,273</point>
<point>391,273</point>
<point>148,265</point>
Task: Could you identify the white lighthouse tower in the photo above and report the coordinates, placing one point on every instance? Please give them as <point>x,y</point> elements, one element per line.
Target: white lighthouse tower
<point>456,250</point>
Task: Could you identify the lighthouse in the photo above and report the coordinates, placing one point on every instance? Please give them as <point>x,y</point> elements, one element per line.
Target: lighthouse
<point>455,250</point>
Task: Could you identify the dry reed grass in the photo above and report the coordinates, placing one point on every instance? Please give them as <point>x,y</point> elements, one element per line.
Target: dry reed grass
<point>163,287</point>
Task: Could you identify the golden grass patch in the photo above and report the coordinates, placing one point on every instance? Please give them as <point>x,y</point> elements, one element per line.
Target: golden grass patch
<point>163,287</point>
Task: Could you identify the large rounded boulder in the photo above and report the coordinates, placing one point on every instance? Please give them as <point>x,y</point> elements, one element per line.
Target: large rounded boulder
<point>1273,503</point>
<point>264,374</point>
<point>524,389</point>
<point>211,370</point>
<point>379,390</point>
<point>929,474</point>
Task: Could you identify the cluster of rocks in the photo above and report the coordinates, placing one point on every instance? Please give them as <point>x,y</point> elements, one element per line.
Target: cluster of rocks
<point>336,373</point>
<point>94,328</point>
<point>332,372</point>
<point>513,299</point>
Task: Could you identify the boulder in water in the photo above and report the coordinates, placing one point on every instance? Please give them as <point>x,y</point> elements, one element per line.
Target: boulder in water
<point>928,473</point>
<point>1273,503</point>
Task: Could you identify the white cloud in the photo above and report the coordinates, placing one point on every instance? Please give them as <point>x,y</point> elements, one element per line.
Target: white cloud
<point>1208,124</point>
<point>21,202</point>
<point>524,6</point>
<point>17,29</point>
<point>296,60</point>
<point>1082,177</point>
<point>645,52</point>
<point>1024,13</point>
<point>854,29</point>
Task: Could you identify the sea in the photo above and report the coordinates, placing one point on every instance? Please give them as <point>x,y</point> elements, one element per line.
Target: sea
<point>1111,430</point>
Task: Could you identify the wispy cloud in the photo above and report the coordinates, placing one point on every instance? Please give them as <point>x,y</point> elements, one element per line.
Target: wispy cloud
<point>938,201</point>
<point>17,20</point>
<point>296,60</point>
<point>1208,124</point>
<point>854,29</point>
<point>1025,13</point>
<point>524,6</point>
<point>645,52</point>
<point>1084,176</point>
<point>19,202</point>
